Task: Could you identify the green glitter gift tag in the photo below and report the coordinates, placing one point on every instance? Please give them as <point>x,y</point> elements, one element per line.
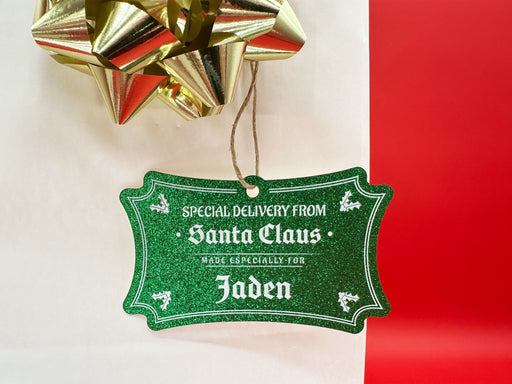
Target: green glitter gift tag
<point>301,251</point>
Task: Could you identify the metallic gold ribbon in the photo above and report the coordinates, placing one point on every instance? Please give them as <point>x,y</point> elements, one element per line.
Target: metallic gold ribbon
<point>188,53</point>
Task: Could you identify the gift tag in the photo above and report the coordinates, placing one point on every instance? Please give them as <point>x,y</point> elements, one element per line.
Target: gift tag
<point>296,251</point>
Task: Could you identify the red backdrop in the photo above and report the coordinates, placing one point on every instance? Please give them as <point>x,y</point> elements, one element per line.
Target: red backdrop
<point>441,133</point>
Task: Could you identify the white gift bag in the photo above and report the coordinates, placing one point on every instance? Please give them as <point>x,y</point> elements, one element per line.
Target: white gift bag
<point>67,247</point>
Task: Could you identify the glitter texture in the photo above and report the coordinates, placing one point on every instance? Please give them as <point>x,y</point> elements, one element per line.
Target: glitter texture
<point>302,251</point>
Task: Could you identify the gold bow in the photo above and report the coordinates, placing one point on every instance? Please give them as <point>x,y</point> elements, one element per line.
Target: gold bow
<point>187,52</point>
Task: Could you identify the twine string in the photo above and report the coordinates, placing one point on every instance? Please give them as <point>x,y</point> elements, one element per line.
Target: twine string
<point>251,92</point>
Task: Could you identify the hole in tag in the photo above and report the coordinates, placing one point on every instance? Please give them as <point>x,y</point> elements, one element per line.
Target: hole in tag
<point>253,192</point>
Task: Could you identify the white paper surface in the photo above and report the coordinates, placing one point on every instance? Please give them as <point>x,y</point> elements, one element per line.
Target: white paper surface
<point>67,249</point>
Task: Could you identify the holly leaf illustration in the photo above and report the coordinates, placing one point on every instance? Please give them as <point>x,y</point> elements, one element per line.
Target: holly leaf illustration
<point>345,298</point>
<point>346,205</point>
<point>164,296</point>
<point>163,207</point>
